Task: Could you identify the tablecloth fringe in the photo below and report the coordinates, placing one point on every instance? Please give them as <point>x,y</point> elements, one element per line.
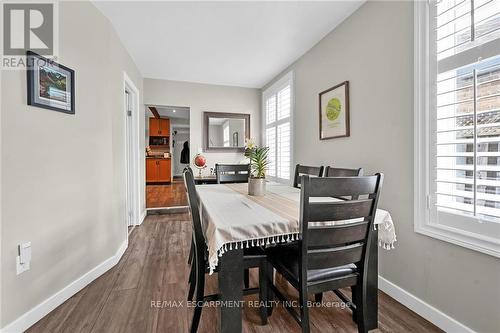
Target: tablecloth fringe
<point>386,246</point>
<point>284,238</point>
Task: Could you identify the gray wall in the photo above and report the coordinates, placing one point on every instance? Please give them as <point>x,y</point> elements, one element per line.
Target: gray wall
<point>373,49</point>
<point>63,175</point>
<point>206,97</point>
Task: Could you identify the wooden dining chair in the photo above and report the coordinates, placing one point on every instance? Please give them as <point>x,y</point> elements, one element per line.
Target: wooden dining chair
<point>232,173</point>
<point>342,172</point>
<point>187,168</point>
<point>306,170</point>
<point>329,257</point>
<point>252,257</point>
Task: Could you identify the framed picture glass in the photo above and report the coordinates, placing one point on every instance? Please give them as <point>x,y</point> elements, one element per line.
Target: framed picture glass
<point>50,85</point>
<point>334,112</point>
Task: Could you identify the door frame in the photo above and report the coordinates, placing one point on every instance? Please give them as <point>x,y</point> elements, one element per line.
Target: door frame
<point>133,137</point>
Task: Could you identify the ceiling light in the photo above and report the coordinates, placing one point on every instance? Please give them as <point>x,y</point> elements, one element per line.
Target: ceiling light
<point>173,111</point>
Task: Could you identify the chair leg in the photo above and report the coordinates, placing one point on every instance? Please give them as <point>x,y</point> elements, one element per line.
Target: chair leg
<point>355,301</point>
<point>191,253</point>
<point>270,292</point>
<point>263,292</point>
<point>246,278</point>
<point>192,281</point>
<point>318,297</point>
<point>361,310</point>
<point>200,292</point>
<point>304,310</point>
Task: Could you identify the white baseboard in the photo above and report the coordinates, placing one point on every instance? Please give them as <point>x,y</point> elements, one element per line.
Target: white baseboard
<point>142,217</point>
<point>435,316</point>
<point>41,310</point>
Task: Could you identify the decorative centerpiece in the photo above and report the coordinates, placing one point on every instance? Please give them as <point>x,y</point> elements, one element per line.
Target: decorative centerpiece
<point>258,165</point>
<point>200,162</point>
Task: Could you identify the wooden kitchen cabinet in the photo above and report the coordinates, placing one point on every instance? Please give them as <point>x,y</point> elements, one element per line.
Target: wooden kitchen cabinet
<point>164,171</point>
<point>158,170</point>
<point>154,127</point>
<point>164,127</point>
<point>151,170</point>
<point>159,127</point>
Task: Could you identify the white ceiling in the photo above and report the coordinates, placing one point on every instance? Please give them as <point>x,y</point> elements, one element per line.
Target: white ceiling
<point>230,43</point>
<point>180,112</point>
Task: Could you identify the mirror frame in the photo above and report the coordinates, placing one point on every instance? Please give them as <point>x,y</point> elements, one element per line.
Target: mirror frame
<point>208,115</point>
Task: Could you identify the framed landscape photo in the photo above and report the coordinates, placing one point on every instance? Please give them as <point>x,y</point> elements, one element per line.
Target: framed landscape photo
<point>50,85</point>
<point>334,112</point>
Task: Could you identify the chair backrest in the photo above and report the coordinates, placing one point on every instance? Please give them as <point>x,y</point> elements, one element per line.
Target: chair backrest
<point>232,173</point>
<point>327,245</point>
<point>188,168</point>
<point>306,170</point>
<point>198,238</point>
<point>341,172</point>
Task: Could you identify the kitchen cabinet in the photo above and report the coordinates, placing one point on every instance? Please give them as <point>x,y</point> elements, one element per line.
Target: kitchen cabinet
<point>158,170</point>
<point>164,170</point>
<point>159,127</point>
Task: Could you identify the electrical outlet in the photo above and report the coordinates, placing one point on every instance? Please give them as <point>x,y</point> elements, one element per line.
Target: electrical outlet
<point>24,257</point>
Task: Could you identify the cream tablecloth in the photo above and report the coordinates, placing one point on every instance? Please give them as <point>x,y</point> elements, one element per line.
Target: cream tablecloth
<point>232,219</point>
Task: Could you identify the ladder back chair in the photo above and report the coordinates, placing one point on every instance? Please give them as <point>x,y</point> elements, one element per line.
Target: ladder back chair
<point>232,173</point>
<point>253,257</point>
<point>342,172</point>
<point>330,256</point>
<point>306,170</point>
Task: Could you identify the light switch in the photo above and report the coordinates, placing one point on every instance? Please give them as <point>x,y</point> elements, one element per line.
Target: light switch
<point>24,257</point>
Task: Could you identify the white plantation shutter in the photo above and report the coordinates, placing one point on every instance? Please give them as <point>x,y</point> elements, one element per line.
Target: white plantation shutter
<point>467,140</point>
<point>271,143</point>
<point>283,153</point>
<point>277,101</point>
<point>462,95</point>
<point>467,108</point>
<point>464,24</point>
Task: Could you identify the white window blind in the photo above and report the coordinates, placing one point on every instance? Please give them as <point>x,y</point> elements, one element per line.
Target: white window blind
<point>460,91</point>
<point>467,109</point>
<point>277,101</point>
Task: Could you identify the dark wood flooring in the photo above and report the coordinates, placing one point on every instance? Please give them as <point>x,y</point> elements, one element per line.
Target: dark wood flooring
<point>154,269</point>
<point>171,195</point>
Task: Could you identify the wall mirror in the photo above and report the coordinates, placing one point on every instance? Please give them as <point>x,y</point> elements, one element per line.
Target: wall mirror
<point>225,131</point>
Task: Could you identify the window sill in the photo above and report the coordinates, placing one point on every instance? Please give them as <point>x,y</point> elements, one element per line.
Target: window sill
<point>462,238</point>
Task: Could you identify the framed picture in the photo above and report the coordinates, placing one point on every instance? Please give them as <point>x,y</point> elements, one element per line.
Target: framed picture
<point>50,85</point>
<point>334,112</point>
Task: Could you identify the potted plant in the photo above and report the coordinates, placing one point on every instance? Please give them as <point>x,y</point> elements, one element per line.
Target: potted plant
<point>258,165</point>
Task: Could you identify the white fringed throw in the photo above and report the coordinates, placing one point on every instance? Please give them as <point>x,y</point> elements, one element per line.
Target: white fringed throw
<point>232,219</point>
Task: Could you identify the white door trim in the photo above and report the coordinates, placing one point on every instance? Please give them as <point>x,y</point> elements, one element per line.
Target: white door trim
<point>129,85</point>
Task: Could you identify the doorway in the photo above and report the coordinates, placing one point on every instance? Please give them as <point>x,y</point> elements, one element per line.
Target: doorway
<point>167,154</point>
<point>131,106</point>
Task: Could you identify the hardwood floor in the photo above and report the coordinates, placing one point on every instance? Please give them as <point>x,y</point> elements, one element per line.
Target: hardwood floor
<point>154,269</point>
<point>171,195</point>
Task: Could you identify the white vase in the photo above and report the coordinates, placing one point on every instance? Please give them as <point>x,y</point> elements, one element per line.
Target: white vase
<point>256,186</point>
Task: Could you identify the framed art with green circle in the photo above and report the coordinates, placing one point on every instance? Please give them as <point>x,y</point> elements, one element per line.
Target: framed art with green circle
<point>334,112</point>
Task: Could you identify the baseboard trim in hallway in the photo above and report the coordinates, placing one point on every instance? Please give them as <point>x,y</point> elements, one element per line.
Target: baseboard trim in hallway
<point>167,210</point>
<point>41,310</point>
<point>427,311</point>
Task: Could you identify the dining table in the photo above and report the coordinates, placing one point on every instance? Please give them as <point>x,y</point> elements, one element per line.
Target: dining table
<point>232,221</point>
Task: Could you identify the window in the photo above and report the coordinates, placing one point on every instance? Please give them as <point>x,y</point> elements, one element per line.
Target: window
<point>226,134</point>
<point>277,105</point>
<point>457,122</point>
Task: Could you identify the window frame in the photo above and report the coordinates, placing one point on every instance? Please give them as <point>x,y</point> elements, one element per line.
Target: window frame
<point>286,79</point>
<point>424,100</point>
